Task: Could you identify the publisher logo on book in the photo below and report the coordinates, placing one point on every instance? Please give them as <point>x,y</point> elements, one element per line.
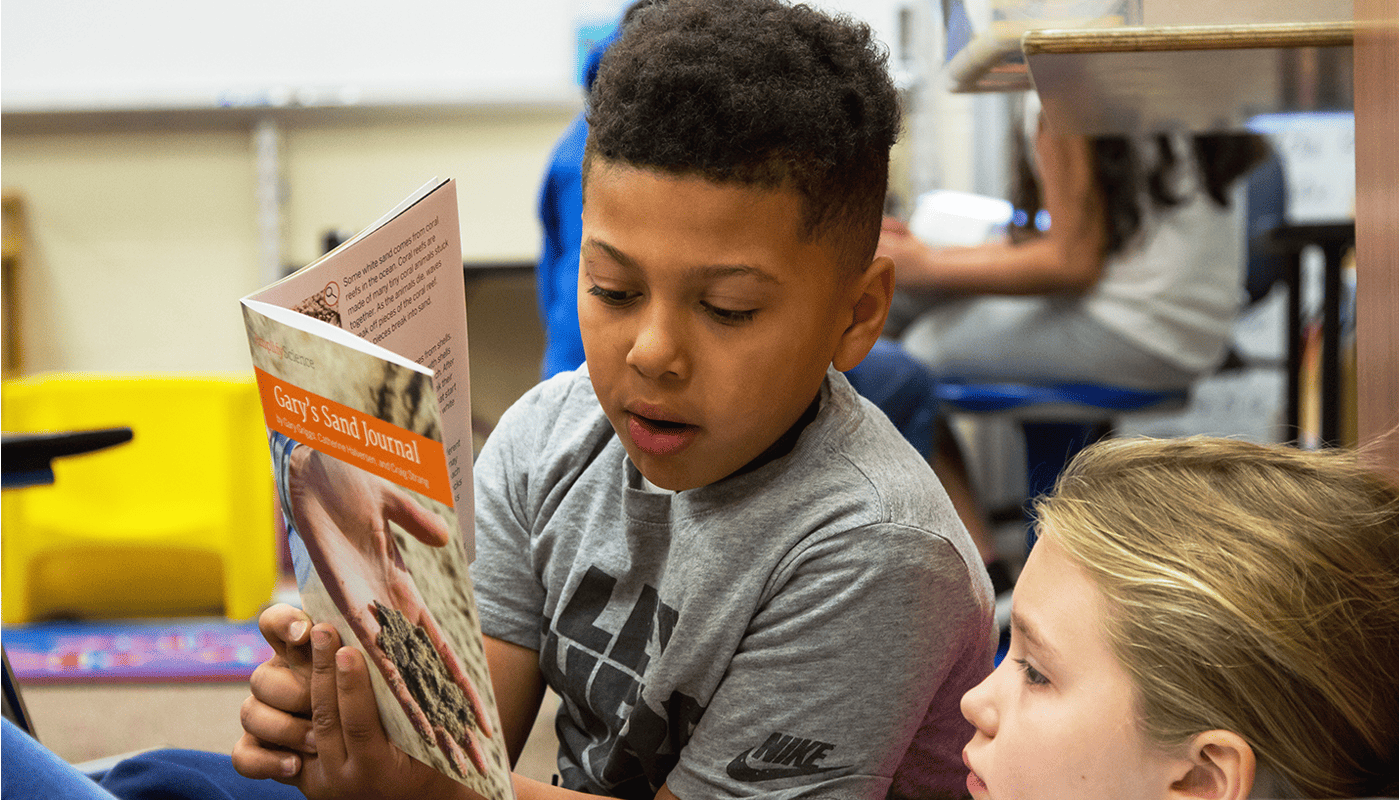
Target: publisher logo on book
<point>280,351</point>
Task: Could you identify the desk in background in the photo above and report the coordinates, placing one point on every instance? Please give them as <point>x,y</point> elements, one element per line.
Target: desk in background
<point>1334,239</point>
<point>1146,78</point>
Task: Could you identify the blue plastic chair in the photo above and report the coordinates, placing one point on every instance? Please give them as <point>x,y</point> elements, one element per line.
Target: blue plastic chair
<point>1057,420</point>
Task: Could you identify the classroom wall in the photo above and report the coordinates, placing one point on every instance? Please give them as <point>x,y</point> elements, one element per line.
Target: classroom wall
<point>143,230</point>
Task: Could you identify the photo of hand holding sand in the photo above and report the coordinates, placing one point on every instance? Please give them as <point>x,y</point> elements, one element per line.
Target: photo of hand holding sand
<point>342,516</point>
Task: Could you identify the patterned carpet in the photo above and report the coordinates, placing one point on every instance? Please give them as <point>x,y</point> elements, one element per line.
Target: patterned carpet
<point>199,650</point>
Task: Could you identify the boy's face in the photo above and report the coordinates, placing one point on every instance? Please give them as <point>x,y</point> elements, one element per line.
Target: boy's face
<point>708,321</point>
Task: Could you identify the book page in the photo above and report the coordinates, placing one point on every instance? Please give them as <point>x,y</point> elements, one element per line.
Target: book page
<point>399,284</point>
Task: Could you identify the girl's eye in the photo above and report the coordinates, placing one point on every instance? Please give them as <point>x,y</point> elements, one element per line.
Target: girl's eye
<point>613,297</point>
<point>730,316</point>
<point>1033,675</point>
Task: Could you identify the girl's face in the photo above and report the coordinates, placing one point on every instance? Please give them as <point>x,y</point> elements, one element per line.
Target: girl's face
<point>1056,718</point>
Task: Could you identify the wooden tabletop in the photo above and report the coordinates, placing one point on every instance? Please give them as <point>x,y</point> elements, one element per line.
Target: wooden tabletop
<point>1137,39</point>
<point>1134,79</point>
<point>1187,78</point>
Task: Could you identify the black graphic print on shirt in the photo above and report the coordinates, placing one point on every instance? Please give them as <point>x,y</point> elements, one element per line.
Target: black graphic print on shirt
<point>627,747</point>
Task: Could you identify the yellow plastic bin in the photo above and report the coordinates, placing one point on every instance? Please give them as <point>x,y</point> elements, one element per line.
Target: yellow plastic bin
<point>178,521</point>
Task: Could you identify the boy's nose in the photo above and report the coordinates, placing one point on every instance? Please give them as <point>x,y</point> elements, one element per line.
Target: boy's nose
<point>978,705</point>
<point>659,346</point>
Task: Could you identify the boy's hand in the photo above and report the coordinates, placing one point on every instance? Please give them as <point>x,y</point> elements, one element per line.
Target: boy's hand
<point>354,757</point>
<point>276,718</point>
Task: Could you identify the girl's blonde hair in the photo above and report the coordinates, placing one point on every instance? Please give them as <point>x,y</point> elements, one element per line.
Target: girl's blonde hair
<point>1250,588</point>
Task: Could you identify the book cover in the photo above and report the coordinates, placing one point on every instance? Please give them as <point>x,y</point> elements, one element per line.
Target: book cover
<point>361,363</point>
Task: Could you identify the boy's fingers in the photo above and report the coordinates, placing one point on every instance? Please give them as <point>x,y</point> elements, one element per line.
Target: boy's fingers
<point>286,628</point>
<point>325,704</point>
<point>277,728</point>
<point>359,715</point>
<point>281,687</point>
<point>252,759</point>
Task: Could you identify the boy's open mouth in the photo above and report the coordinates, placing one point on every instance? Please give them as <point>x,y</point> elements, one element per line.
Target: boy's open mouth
<point>659,436</point>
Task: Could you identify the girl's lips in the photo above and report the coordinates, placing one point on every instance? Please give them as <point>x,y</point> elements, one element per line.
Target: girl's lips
<point>655,437</point>
<point>975,786</point>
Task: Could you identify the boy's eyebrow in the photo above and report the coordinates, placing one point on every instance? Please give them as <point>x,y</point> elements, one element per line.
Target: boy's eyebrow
<point>708,271</point>
<point>613,253</point>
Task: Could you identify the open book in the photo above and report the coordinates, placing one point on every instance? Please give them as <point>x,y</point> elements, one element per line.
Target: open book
<point>361,362</point>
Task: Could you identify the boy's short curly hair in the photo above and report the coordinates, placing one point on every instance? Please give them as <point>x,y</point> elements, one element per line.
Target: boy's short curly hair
<point>755,92</point>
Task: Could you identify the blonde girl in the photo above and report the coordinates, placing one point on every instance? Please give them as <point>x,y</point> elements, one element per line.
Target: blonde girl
<point>1201,618</point>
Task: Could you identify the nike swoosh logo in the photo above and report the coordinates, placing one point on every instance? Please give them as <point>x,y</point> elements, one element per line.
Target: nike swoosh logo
<point>740,770</point>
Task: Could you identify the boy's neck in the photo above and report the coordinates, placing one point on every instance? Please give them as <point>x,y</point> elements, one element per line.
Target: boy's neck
<point>784,444</point>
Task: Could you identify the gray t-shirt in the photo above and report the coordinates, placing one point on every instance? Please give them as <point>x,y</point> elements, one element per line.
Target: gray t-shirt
<point>804,629</point>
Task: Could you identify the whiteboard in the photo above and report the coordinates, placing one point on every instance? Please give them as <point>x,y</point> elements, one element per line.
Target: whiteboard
<point>82,55</point>
<point>97,55</point>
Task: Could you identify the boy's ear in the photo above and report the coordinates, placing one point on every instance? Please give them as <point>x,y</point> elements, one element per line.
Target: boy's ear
<point>871,293</point>
<point>1221,767</point>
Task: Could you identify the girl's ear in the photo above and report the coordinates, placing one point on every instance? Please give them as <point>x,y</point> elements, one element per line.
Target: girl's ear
<point>872,292</point>
<point>1221,768</point>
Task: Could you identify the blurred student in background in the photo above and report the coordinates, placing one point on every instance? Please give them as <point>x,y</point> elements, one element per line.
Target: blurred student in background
<point>561,217</point>
<point>1134,281</point>
<point>1127,269</point>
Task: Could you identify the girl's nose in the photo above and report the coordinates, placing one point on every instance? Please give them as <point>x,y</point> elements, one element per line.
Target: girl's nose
<point>979,705</point>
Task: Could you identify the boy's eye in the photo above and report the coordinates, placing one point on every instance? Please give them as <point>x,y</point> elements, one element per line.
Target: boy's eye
<point>729,316</point>
<point>1033,675</point>
<point>613,297</point>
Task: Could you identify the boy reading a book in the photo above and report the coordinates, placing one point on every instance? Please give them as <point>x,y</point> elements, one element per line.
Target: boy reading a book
<point>737,575</point>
